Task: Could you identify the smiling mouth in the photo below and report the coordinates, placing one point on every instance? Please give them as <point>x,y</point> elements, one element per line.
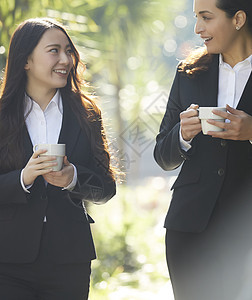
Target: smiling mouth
<point>208,39</point>
<point>64,72</point>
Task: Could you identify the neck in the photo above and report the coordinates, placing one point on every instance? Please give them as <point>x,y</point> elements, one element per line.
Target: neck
<point>41,96</point>
<point>241,50</point>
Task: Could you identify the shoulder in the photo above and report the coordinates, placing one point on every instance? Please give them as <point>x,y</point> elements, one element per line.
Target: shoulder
<point>81,104</point>
<point>197,63</point>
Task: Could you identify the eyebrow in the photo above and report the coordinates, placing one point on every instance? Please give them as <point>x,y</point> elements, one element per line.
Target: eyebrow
<point>57,45</point>
<point>205,11</point>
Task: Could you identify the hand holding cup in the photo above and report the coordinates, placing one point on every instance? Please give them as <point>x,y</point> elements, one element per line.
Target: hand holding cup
<point>57,150</point>
<point>205,114</point>
<point>189,122</point>
<point>38,164</point>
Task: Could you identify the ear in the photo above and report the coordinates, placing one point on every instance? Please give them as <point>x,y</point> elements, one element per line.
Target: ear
<point>239,19</point>
<point>26,67</point>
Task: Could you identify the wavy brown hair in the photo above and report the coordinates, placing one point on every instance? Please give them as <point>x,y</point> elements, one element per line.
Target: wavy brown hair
<point>12,120</point>
<point>196,62</point>
<point>199,60</point>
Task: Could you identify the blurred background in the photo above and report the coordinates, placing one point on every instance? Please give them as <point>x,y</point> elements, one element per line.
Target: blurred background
<point>131,49</point>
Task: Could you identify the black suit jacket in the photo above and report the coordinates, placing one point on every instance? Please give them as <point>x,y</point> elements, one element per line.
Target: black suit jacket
<point>212,167</point>
<point>22,214</point>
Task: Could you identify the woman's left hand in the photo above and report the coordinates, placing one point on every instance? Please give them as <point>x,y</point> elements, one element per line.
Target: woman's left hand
<point>63,177</point>
<point>239,128</point>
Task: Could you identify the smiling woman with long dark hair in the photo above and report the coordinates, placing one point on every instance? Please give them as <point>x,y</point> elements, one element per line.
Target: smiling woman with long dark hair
<point>46,243</point>
<point>208,239</point>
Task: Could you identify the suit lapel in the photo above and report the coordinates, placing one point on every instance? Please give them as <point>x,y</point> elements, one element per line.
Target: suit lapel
<point>70,128</point>
<point>28,148</point>
<point>208,84</point>
<point>28,151</point>
<point>245,102</point>
<point>69,133</point>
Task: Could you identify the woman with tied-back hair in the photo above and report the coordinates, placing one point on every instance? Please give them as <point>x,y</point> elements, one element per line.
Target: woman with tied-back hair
<point>46,243</point>
<point>209,221</point>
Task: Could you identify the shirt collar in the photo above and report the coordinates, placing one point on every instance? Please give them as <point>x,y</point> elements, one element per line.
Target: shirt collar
<point>247,61</point>
<point>56,100</point>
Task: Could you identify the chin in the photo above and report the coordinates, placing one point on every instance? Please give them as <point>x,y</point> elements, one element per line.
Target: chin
<point>61,85</point>
<point>211,50</point>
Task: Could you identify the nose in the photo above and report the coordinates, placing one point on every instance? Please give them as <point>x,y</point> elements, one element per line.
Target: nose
<point>198,28</point>
<point>64,58</point>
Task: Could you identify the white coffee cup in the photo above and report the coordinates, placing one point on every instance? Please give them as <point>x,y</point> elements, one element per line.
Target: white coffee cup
<point>205,113</point>
<point>57,150</point>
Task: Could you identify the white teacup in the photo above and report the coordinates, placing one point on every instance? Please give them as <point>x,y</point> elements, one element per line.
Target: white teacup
<point>205,113</point>
<point>57,150</point>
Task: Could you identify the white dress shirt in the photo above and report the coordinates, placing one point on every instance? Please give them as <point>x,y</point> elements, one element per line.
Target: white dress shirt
<point>44,127</point>
<point>232,82</point>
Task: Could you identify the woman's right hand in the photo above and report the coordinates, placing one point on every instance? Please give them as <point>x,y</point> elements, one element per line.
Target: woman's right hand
<point>190,122</point>
<point>36,166</point>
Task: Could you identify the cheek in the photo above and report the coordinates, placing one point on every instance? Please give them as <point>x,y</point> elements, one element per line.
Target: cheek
<point>71,62</point>
<point>224,30</point>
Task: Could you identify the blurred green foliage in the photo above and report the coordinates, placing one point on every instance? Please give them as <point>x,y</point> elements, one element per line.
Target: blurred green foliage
<point>129,238</point>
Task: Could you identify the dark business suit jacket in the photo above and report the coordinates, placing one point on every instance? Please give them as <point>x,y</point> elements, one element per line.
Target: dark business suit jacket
<point>213,167</point>
<point>22,214</point>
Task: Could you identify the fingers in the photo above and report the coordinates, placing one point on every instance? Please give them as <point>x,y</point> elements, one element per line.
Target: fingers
<point>46,166</point>
<point>189,114</point>
<point>66,162</point>
<point>191,111</point>
<point>231,113</point>
<point>189,122</point>
<point>35,168</point>
<point>44,171</point>
<point>60,178</point>
<point>193,106</point>
<point>37,153</point>
<point>44,162</point>
<point>219,124</point>
<point>233,110</point>
<point>39,162</point>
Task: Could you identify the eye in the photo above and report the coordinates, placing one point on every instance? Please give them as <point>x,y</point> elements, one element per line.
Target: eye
<point>69,51</point>
<point>53,50</point>
<point>206,18</point>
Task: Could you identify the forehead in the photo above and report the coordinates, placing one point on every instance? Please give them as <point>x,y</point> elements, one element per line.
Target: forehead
<point>53,36</point>
<point>204,5</point>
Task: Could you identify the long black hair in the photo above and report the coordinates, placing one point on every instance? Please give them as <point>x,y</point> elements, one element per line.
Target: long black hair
<point>12,120</point>
<point>199,59</point>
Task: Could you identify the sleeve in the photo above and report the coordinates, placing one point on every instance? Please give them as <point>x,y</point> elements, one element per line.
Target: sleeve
<point>11,190</point>
<point>95,182</point>
<point>185,145</point>
<point>25,188</point>
<point>72,184</point>
<point>168,152</point>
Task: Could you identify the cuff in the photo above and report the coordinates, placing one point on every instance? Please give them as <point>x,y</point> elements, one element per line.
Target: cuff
<point>25,187</point>
<point>185,145</point>
<point>72,184</point>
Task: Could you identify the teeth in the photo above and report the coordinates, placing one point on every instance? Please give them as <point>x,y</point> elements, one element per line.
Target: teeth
<point>208,39</point>
<point>60,71</point>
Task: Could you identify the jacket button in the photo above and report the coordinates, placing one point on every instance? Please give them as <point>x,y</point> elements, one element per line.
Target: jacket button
<point>221,172</point>
<point>223,143</point>
<point>43,197</point>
